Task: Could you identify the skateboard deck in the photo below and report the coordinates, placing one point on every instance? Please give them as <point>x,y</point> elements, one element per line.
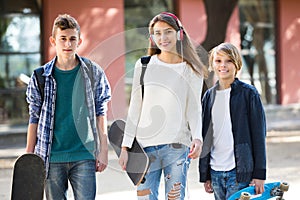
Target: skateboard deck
<point>138,161</point>
<point>28,178</point>
<point>272,190</point>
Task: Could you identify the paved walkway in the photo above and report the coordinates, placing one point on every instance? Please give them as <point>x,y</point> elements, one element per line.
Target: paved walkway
<point>283,160</point>
<point>283,165</point>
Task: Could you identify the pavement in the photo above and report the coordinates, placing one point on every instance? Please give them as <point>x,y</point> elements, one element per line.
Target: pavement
<point>283,151</point>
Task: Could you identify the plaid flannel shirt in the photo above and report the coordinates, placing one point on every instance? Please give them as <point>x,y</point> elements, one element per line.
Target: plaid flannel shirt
<point>42,112</point>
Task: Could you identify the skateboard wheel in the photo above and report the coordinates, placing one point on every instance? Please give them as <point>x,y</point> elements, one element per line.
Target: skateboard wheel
<point>284,186</point>
<point>245,196</point>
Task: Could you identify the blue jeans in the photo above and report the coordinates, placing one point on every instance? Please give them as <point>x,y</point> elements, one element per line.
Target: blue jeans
<point>81,175</point>
<point>173,161</point>
<point>224,184</point>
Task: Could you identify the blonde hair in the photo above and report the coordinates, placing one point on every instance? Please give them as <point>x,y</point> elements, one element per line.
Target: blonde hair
<point>228,49</point>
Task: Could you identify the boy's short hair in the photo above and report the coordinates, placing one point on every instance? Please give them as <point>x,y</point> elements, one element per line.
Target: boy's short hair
<point>230,50</point>
<point>64,22</point>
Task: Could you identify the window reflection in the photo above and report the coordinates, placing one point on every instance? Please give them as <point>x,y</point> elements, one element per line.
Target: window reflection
<point>257,30</point>
<point>21,34</point>
<point>19,54</point>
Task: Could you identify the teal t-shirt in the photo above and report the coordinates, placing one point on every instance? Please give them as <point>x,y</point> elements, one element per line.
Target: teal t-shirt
<point>72,139</point>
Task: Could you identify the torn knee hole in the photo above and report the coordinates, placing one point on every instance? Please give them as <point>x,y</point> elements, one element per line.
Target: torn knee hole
<point>174,194</point>
<point>143,192</point>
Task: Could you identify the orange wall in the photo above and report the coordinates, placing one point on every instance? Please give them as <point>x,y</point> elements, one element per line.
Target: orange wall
<point>193,17</point>
<point>289,44</point>
<point>102,28</point>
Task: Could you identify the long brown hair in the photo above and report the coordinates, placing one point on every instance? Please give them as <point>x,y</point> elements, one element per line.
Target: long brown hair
<point>188,51</point>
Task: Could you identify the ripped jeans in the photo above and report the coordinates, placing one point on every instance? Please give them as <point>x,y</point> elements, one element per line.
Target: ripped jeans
<point>173,161</point>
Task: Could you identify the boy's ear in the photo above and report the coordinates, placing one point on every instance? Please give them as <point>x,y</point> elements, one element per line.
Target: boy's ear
<point>79,42</point>
<point>52,40</point>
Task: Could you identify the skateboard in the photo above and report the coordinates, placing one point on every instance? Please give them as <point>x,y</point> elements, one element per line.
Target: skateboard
<point>138,161</point>
<point>272,190</point>
<point>28,178</point>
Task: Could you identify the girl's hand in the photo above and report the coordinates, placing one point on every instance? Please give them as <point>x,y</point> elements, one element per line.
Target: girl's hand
<point>196,148</point>
<point>123,159</point>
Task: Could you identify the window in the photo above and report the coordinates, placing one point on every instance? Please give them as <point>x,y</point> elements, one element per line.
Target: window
<point>258,46</point>
<point>19,55</point>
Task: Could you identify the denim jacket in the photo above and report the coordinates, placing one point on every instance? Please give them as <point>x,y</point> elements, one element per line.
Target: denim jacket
<point>42,112</point>
<point>248,128</point>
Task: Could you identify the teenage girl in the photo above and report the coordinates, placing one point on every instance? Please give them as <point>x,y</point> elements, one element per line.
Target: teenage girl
<point>166,120</point>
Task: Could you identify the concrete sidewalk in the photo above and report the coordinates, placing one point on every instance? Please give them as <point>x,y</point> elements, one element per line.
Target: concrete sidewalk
<point>113,183</point>
<point>283,125</point>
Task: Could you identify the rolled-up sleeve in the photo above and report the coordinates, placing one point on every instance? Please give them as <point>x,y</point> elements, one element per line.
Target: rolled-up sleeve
<point>34,100</point>
<point>102,95</point>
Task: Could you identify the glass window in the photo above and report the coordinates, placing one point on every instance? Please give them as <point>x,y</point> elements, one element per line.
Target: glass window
<point>257,28</point>
<point>19,55</point>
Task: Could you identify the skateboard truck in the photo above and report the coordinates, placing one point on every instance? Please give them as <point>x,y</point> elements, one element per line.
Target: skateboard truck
<point>245,196</point>
<point>279,191</point>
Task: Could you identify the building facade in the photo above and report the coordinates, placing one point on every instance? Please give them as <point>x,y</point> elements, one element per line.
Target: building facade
<point>115,34</point>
